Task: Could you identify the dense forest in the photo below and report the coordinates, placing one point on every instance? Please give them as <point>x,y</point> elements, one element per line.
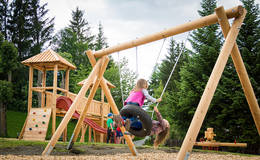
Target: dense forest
<point>26,30</point>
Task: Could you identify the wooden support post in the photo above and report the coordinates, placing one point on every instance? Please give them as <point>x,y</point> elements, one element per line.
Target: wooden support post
<point>208,93</point>
<point>30,89</point>
<point>67,79</point>
<point>102,114</point>
<point>241,70</point>
<point>72,109</point>
<point>43,86</point>
<point>112,104</point>
<point>54,95</point>
<point>92,93</point>
<point>83,132</point>
<point>94,135</point>
<point>202,22</point>
<point>65,132</point>
<point>29,106</point>
<point>89,134</point>
<point>64,138</point>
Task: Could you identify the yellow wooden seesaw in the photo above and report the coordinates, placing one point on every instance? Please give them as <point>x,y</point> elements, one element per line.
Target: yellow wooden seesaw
<point>210,142</point>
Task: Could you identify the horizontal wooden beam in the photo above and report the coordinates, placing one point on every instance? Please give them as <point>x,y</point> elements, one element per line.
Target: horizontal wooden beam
<point>202,22</point>
<point>219,144</point>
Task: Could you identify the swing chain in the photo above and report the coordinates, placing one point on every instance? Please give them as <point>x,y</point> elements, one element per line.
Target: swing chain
<point>120,78</point>
<point>182,50</point>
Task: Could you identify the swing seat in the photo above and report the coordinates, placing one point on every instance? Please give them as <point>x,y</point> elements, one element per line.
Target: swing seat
<point>142,124</point>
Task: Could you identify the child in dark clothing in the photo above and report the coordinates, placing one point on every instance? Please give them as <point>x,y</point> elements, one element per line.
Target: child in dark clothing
<point>160,128</point>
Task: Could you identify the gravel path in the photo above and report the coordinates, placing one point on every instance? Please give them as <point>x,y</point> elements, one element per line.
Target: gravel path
<point>128,156</point>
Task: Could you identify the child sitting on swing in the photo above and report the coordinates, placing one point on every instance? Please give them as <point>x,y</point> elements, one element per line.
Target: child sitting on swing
<point>139,93</point>
<point>137,96</point>
<point>160,128</point>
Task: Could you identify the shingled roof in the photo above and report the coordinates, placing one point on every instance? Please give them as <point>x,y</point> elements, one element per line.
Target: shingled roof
<point>47,60</point>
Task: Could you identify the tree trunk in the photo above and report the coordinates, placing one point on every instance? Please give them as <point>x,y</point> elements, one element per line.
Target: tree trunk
<point>62,85</point>
<point>10,76</point>
<point>39,84</point>
<point>3,124</point>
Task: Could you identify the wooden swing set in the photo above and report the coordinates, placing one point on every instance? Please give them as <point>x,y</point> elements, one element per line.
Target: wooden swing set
<point>229,47</point>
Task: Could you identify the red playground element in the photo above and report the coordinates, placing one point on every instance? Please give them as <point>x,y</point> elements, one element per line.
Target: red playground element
<point>65,102</point>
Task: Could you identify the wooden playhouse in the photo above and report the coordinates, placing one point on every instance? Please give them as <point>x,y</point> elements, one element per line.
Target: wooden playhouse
<point>36,123</point>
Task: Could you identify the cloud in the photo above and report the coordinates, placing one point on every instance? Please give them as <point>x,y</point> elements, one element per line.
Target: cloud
<point>125,20</point>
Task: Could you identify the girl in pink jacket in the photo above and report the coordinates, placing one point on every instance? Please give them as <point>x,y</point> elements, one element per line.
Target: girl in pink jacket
<point>139,93</point>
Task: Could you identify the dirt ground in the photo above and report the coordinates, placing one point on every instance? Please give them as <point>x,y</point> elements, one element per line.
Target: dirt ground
<point>96,152</point>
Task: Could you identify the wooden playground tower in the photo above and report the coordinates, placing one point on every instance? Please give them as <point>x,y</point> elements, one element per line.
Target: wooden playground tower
<point>36,124</point>
<point>229,47</point>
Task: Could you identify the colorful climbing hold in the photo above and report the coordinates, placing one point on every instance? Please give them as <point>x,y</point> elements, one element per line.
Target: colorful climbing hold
<point>40,132</point>
<point>44,115</point>
<point>30,129</point>
<point>33,119</point>
<point>43,122</point>
<point>34,112</point>
<point>36,125</point>
<point>45,110</point>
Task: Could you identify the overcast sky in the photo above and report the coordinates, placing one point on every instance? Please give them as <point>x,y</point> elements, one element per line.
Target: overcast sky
<point>126,20</point>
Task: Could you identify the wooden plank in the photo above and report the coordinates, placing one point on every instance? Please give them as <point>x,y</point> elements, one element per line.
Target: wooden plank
<point>202,22</point>
<point>67,79</point>
<point>30,88</point>
<point>94,135</point>
<point>112,103</point>
<point>65,134</point>
<point>72,109</point>
<point>83,132</point>
<point>62,90</point>
<point>43,85</point>
<point>89,134</point>
<point>241,70</point>
<point>102,113</point>
<point>209,91</point>
<point>220,144</point>
<point>55,76</point>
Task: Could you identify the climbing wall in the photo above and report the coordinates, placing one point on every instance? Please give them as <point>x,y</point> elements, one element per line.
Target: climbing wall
<point>37,124</point>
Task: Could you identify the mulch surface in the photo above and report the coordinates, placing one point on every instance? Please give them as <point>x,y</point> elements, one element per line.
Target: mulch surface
<point>98,152</point>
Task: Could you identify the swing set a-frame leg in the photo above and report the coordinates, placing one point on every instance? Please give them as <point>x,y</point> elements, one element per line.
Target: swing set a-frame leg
<point>211,86</point>
<point>73,107</point>
<point>89,100</point>
<point>112,104</point>
<point>241,70</point>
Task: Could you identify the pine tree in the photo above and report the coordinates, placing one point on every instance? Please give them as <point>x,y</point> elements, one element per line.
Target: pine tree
<point>4,16</point>
<point>100,41</point>
<point>235,120</point>
<point>195,73</point>
<point>20,27</point>
<point>81,27</point>
<point>42,26</point>
<point>75,39</point>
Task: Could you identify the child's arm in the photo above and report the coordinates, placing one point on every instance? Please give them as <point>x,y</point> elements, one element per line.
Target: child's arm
<point>152,99</point>
<point>159,117</point>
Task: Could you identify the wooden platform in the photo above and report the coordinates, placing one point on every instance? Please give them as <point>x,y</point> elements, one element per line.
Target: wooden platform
<point>37,124</point>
